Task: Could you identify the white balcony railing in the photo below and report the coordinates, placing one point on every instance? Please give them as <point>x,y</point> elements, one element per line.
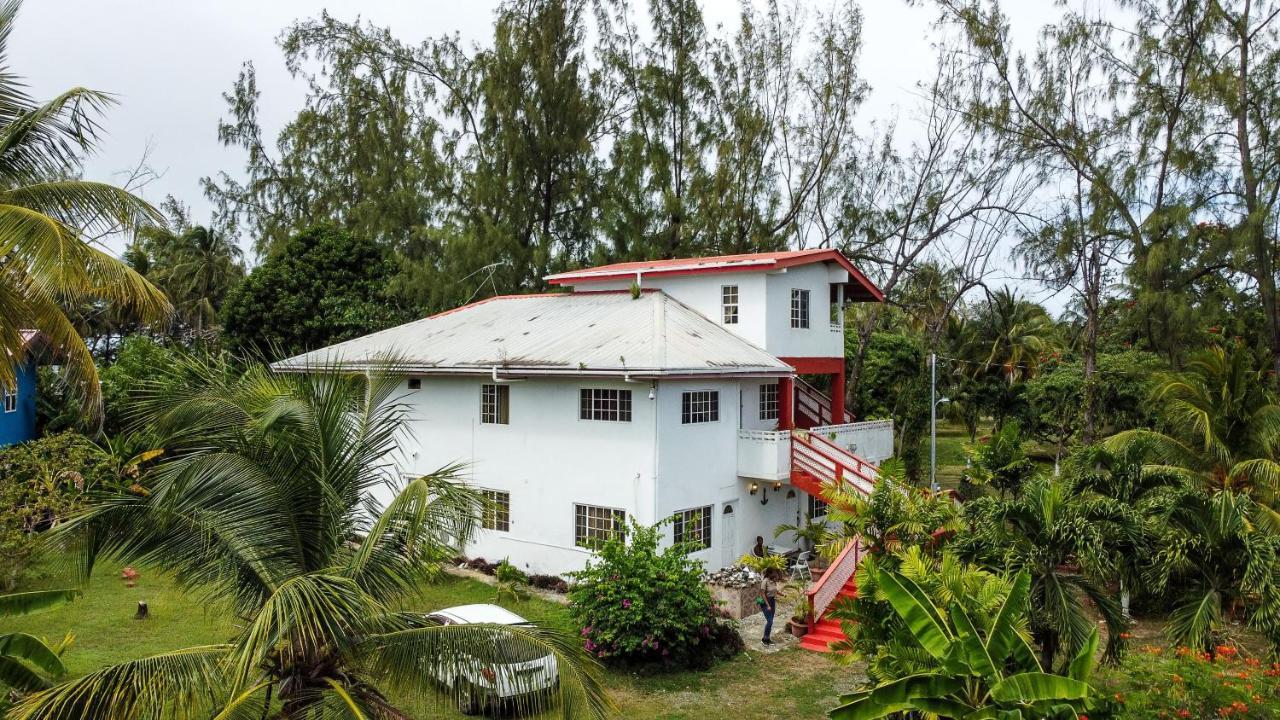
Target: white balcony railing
<point>764,454</point>
<point>871,440</point>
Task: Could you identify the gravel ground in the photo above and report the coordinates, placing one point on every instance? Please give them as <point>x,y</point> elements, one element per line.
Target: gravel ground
<point>752,629</point>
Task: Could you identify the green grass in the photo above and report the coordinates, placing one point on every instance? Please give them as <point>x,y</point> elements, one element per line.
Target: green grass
<point>789,683</point>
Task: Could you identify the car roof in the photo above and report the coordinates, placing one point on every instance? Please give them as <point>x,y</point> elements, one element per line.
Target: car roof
<point>481,613</point>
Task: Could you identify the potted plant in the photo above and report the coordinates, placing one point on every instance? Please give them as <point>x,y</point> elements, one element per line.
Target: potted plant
<point>806,536</point>
<point>798,624</point>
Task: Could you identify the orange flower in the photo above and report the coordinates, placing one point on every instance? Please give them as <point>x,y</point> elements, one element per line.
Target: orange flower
<point>1177,678</point>
<point>1184,713</point>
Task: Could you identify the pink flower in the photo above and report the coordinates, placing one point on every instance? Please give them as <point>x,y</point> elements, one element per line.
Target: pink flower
<point>626,604</point>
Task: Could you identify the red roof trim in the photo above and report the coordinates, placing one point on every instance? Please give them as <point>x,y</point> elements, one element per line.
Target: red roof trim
<point>720,264</point>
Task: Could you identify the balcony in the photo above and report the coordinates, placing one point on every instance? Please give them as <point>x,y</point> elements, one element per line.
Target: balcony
<point>872,440</point>
<point>764,454</point>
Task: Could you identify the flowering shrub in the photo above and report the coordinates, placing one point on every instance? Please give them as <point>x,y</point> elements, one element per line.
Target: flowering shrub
<point>1157,682</point>
<point>638,605</point>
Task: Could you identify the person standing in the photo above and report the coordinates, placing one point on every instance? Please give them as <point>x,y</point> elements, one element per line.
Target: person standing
<point>768,600</point>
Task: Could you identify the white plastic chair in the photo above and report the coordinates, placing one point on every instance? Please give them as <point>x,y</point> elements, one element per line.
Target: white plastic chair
<point>800,569</point>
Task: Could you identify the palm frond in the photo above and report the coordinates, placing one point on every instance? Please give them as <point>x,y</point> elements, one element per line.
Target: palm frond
<point>25,603</point>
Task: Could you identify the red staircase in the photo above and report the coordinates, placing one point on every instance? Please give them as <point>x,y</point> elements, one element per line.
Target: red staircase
<point>815,462</point>
<point>826,629</point>
<point>813,407</point>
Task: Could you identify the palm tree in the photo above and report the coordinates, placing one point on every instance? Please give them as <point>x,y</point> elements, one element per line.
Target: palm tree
<point>1017,333</point>
<point>1226,428</point>
<point>47,259</point>
<point>1223,529</point>
<point>1067,541</point>
<point>196,267</point>
<point>264,503</point>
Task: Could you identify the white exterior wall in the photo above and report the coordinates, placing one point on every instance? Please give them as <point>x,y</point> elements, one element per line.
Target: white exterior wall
<point>819,339</point>
<point>548,460</point>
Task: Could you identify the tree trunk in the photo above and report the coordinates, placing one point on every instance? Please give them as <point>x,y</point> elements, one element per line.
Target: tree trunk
<point>144,612</point>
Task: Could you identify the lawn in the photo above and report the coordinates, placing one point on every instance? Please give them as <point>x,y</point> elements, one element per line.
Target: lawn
<point>788,683</point>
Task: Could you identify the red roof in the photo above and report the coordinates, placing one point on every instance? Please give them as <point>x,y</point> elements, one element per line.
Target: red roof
<point>860,288</point>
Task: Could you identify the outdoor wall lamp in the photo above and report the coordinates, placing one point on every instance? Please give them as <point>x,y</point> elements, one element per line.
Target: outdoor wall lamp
<point>777,485</point>
<point>753,488</point>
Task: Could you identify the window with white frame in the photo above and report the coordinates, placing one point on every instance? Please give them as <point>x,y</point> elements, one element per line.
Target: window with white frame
<point>769,401</point>
<point>817,508</point>
<point>604,404</point>
<point>700,406</point>
<point>495,401</point>
<point>593,526</point>
<point>497,510</point>
<point>799,308</point>
<point>729,304</point>
<point>10,400</point>
<point>693,527</point>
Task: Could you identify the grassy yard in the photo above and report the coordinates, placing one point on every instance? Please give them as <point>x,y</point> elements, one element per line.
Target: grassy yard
<point>788,683</point>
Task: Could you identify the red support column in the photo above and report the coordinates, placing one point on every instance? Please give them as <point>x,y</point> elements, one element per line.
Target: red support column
<point>837,396</point>
<point>786,403</point>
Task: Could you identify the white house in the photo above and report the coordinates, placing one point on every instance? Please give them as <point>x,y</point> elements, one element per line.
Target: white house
<point>645,390</point>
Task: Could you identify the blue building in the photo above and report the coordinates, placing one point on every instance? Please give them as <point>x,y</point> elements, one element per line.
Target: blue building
<point>18,404</point>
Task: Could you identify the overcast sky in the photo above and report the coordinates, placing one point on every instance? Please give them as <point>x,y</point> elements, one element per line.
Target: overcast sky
<point>169,61</point>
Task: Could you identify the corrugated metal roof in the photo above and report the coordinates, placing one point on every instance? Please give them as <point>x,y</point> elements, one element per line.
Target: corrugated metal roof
<point>587,333</point>
<point>859,286</point>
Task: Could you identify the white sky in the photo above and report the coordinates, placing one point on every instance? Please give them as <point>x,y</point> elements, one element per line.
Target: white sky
<point>169,61</point>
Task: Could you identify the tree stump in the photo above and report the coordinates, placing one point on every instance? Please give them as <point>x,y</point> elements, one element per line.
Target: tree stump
<point>143,611</point>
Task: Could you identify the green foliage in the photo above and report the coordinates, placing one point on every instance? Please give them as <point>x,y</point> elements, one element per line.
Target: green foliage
<point>321,286</point>
<point>1183,683</point>
<point>975,664</point>
<point>641,605</point>
<point>140,363</point>
<point>195,266</point>
<point>512,582</point>
<point>43,482</point>
<point>1000,460</point>
<point>261,504</point>
<point>27,663</point>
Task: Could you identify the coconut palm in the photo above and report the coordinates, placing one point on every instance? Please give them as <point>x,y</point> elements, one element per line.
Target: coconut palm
<point>1068,542</point>
<point>196,267</point>
<point>264,503</point>
<point>1225,428</point>
<point>1016,333</point>
<point>47,259</point>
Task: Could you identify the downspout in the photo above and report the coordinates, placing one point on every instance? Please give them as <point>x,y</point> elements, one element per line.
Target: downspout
<point>655,405</point>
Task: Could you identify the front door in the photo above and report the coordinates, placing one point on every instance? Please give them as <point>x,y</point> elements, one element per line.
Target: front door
<point>729,531</point>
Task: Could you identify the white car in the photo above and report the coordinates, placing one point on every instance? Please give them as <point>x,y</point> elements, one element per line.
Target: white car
<point>480,683</point>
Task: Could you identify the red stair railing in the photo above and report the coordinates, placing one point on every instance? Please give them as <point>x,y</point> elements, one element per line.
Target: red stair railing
<point>824,591</point>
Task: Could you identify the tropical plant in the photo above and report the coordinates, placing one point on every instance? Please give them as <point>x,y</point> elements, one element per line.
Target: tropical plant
<point>641,605</point>
<point>195,266</point>
<point>1068,543</point>
<point>807,534</point>
<point>49,221</point>
<point>263,502</point>
<point>1000,461</point>
<point>510,582</point>
<point>980,664</point>
<point>1225,428</point>
<point>1017,332</point>
<point>27,663</point>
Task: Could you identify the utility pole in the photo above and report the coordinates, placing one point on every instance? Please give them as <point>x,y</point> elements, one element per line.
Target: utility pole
<point>933,422</point>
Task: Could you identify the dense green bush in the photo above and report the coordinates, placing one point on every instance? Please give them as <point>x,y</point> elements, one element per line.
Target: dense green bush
<point>1181,683</point>
<point>639,605</point>
<point>41,482</point>
<point>139,362</point>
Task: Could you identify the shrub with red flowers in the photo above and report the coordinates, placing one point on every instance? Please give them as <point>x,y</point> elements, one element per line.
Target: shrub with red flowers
<point>1157,682</point>
<point>639,605</point>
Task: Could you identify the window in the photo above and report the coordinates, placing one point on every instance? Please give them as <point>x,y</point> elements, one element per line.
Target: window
<point>592,526</point>
<point>799,308</point>
<point>494,403</point>
<point>415,383</point>
<point>497,511</point>
<point>10,400</point>
<point>700,406</point>
<point>693,527</point>
<point>729,303</point>
<point>769,401</point>
<point>817,508</point>
<point>602,404</point>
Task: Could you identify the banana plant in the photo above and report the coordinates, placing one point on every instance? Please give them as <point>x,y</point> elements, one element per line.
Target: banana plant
<point>984,667</point>
<point>27,663</point>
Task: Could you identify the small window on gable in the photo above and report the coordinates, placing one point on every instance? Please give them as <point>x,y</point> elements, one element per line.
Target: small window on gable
<point>729,304</point>
<point>497,511</point>
<point>10,400</point>
<point>700,406</point>
<point>594,526</point>
<point>495,401</point>
<point>692,526</point>
<point>799,308</point>
<point>604,404</point>
<point>769,401</point>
